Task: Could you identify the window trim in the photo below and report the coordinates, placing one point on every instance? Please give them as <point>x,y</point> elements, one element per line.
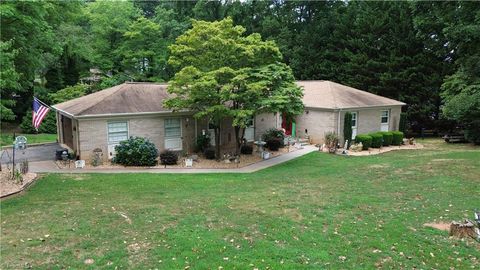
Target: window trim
<point>356,119</point>
<point>179,126</point>
<point>108,132</point>
<point>381,117</point>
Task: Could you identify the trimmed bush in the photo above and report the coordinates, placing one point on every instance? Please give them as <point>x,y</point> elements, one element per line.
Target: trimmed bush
<point>202,142</point>
<point>366,140</point>
<point>397,137</point>
<point>347,128</point>
<point>168,157</point>
<point>209,153</point>
<point>136,151</point>
<point>274,144</point>
<point>377,139</point>
<point>272,134</point>
<point>387,138</point>
<point>246,149</point>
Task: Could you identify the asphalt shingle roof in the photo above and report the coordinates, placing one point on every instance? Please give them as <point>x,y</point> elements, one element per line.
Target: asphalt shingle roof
<point>140,97</point>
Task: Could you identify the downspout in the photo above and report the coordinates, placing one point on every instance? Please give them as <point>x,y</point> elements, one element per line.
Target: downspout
<point>338,124</point>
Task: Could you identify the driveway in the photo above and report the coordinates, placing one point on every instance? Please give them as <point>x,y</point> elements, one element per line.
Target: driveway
<point>32,153</point>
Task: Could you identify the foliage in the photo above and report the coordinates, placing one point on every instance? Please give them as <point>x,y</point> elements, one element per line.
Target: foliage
<point>397,138</point>
<point>246,149</point>
<point>274,144</point>
<point>68,93</point>
<point>202,142</point>
<point>387,138</point>
<point>8,80</point>
<point>136,151</point>
<point>347,128</point>
<point>377,139</point>
<point>209,153</point>
<point>365,140</point>
<point>48,125</point>
<point>331,141</point>
<point>272,134</point>
<point>225,74</point>
<point>168,157</point>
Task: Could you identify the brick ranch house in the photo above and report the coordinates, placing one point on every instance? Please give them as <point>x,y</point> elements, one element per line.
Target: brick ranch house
<point>102,119</point>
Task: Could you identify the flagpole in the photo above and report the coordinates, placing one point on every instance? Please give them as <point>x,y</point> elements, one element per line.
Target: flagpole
<point>41,102</point>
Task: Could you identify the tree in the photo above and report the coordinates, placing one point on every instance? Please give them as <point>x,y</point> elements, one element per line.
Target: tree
<point>347,128</point>
<point>225,74</point>
<point>109,20</point>
<point>8,81</point>
<point>143,49</point>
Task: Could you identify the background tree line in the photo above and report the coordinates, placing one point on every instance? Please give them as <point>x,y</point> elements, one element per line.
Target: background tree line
<point>426,54</point>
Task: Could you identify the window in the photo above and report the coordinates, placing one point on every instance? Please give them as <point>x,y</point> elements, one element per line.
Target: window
<point>384,125</point>
<point>117,132</point>
<point>173,128</point>
<point>354,119</point>
<point>354,124</point>
<point>385,115</point>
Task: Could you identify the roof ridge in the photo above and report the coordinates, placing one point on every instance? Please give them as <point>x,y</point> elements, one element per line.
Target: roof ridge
<point>95,103</point>
<point>329,83</point>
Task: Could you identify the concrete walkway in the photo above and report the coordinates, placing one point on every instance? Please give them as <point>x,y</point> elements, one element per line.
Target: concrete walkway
<point>51,167</point>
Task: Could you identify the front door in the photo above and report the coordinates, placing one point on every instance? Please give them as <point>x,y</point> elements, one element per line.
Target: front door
<point>67,131</point>
<point>287,125</point>
<point>385,120</point>
<point>173,134</point>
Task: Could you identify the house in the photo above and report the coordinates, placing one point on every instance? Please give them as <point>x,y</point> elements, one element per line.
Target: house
<point>100,120</point>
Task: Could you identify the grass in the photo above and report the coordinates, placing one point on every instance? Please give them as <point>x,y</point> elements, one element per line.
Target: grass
<point>7,138</point>
<point>318,211</point>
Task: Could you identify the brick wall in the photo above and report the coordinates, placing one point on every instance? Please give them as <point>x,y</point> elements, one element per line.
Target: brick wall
<point>316,123</point>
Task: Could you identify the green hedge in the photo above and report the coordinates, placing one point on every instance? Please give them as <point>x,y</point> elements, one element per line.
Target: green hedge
<point>387,138</point>
<point>397,138</point>
<point>366,140</point>
<point>377,139</point>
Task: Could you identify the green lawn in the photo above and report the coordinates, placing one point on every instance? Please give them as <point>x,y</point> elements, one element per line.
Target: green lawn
<point>7,138</point>
<point>318,211</point>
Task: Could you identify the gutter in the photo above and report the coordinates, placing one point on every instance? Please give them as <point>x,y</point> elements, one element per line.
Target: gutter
<point>183,112</point>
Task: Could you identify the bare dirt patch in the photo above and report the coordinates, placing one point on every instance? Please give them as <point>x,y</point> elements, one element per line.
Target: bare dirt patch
<point>439,226</point>
<point>384,149</point>
<point>9,185</point>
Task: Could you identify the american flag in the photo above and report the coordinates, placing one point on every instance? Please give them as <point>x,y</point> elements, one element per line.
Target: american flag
<point>39,112</point>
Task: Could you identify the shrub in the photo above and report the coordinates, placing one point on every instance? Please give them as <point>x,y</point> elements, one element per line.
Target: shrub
<point>397,137</point>
<point>136,151</point>
<point>377,139</point>
<point>347,128</point>
<point>331,141</point>
<point>49,124</point>
<point>246,149</point>
<point>202,142</point>
<point>209,153</point>
<point>274,144</point>
<point>387,138</point>
<point>272,134</point>
<point>366,140</point>
<point>168,157</point>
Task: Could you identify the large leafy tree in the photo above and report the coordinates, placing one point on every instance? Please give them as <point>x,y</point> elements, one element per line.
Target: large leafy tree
<point>224,73</point>
<point>109,20</point>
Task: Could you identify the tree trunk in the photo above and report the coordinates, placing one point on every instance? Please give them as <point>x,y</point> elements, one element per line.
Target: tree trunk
<point>217,142</point>
<point>239,134</point>
<point>463,229</point>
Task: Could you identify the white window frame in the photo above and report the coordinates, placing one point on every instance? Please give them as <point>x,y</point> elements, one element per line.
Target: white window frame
<point>180,137</point>
<point>108,132</point>
<point>354,127</point>
<point>384,126</point>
